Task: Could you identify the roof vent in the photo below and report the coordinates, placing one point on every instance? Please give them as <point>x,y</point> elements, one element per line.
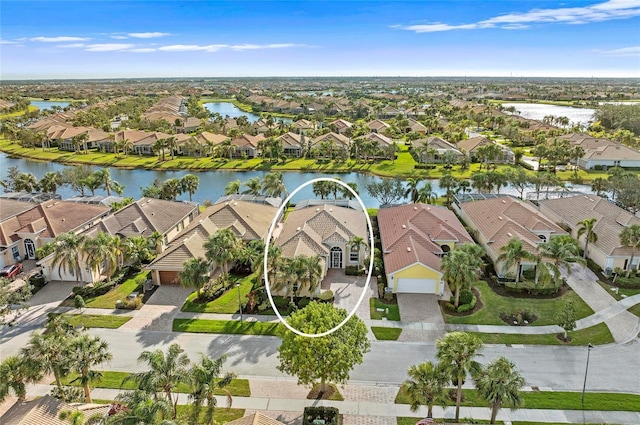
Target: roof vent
<point>235,204</point>
<point>317,209</point>
<point>509,234</point>
<point>504,202</point>
<point>404,226</point>
<point>408,249</point>
<point>330,209</point>
<point>415,208</point>
<point>428,208</point>
<point>298,229</point>
<point>63,219</point>
<point>499,217</point>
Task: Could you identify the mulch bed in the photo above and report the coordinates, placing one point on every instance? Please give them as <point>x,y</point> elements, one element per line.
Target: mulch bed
<point>477,307</point>
<point>502,291</point>
<point>513,319</point>
<point>316,394</point>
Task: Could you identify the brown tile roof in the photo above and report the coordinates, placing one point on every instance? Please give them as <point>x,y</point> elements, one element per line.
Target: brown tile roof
<point>248,140</point>
<point>611,219</point>
<point>130,135</point>
<point>10,208</point>
<point>145,216</point>
<point>341,124</point>
<point>316,224</point>
<point>46,410</point>
<point>212,138</point>
<point>503,218</point>
<point>255,419</point>
<point>379,139</point>
<point>335,138</point>
<point>413,233</point>
<point>378,125</point>
<point>469,145</point>
<point>292,139</point>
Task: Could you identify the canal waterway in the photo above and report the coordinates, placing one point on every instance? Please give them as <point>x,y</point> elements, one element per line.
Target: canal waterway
<point>232,111</point>
<point>537,111</point>
<point>44,105</point>
<point>212,183</point>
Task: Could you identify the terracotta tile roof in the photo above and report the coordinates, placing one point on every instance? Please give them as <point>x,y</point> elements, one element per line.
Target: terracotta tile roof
<point>611,219</point>
<point>503,218</point>
<point>212,138</point>
<point>10,208</point>
<point>130,135</point>
<point>414,232</point>
<point>292,140</point>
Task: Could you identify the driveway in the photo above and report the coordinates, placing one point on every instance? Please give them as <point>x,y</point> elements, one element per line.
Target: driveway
<point>54,292</point>
<point>421,308</point>
<point>348,289</point>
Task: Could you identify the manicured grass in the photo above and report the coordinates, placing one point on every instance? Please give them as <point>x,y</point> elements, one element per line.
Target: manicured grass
<point>597,335</point>
<point>226,327</point>
<point>227,303</point>
<point>386,334</point>
<point>627,292</point>
<point>222,415</point>
<point>392,311</point>
<point>405,420</point>
<point>114,380</point>
<point>96,321</point>
<point>558,400</point>
<point>120,292</point>
<point>493,304</point>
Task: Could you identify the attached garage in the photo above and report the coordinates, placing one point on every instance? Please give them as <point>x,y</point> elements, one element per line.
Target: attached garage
<point>416,286</point>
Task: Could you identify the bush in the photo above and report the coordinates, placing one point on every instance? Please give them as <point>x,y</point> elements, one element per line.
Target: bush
<point>465,297</point>
<point>131,303</point>
<point>353,271</point>
<point>597,167</point>
<point>450,306</point>
<point>78,301</point>
<point>424,167</point>
<point>68,394</point>
<point>330,415</point>
<point>326,296</point>
<point>304,302</point>
<point>37,282</point>
<point>468,306</point>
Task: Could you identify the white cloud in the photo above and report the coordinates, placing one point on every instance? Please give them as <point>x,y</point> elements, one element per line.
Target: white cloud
<point>218,47</point>
<point>263,46</point>
<point>148,34</point>
<point>142,50</point>
<point>108,47</point>
<point>118,37</point>
<point>61,39</point>
<point>612,9</point>
<point>9,42</point>
<point>71,46</point>
<point>624,51</point>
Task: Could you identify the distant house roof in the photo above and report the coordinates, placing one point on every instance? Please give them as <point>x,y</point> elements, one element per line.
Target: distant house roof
<point>413,233</point>
<point>378,125</point>
<point>292,140</point>
<point>440,145</point>
<point>333,138</point>
<point>473,143</point>
<point>379,139</point>
<point>143,217</point>
<point>267,200</point>
<point>247,140</point>
<point>255,419</point>
<point>34,197</point>
<point>600,148</point>
<point>46,410</point>
<point>341,124</point>
<point>306,230</point>
<point>611,219</point>
<point>213,139</point>
<point>305,124</point>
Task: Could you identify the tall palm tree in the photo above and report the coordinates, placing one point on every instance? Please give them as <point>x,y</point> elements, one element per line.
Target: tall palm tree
<point>412,189</point>
<point>561,250</point>
<point>166,372</point>
<point>118,249</point>
<point>86,352</point>
<point>68,254</point>
<point>630,237</point>
<point>460,268</point>
<point>104,177</point>
<point>137,249</point>
<point>48,352</point>
<point>189,183</point>
<point>233,187</point>
<point>253,186</point>
<point>272,185</point>
<point>142,408</point>
<point>50,182</point>
<point>426,386</point>
<point>456,353</point>
<point>156,240</point>
<point>449,183</point>
<point>195,273</point>
<point>355,243</point>
<point>98,253</point>
<point>205,381</point>
<point>14,376</point>
<point>311,272</point>
<point>513,253</point>
<point>222,247</point>
<point>500,384</point>
<point>172,144</point>
<point>587,228</point>
<point>426,194</point>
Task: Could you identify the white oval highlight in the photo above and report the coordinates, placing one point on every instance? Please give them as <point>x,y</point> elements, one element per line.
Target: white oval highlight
<point>268,242</point>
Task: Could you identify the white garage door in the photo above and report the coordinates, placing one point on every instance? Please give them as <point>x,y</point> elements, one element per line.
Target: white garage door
<point>417,286</point>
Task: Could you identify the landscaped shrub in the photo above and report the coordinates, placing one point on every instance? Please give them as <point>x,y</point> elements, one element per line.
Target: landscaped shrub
<point>424,167</point>
<point>78,301</point>
<point>132,303</point>
<point>628,282</point>
<point>37,282</point>
<point>530,287</point>
<point>468,306</point>
<point>353,271</point>
<point>326,296</point>
<point>68,394</point>
<point>529,274</point>
<point>465,297</point>
<point>449,306</point>
<point>330,415</point>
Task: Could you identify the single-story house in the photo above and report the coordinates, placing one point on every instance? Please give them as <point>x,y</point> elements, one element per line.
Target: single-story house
<point>64,137</point>
<point>380,140</point>
<point>246,145</point>
<point>293,144</point>
<point>378,126</point>
<point>248,221</point>
<point>440,148</point>
<point>303,126</point>
<point>600,152</point>
<point>47,409</point>
<point>414,238</point>
<point>606,252</point>
<point>208,141</point>
<point>416,127</point>
<point>131,136</point>
<point>188,125</point>
<point>145,145</point>
<point>470,148</point>
<point>327,231</point>
<point>497,220</point>
<point>335,141</point>
<point>340,125</point>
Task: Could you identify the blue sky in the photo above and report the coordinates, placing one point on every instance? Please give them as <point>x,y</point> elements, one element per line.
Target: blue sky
<point>93,39</point>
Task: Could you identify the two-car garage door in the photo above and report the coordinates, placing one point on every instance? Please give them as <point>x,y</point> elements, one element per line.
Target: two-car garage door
<point>416,286</point>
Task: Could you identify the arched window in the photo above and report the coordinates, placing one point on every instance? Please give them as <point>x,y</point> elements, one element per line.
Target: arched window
<point>445,249</point>
<point>336,257</point>
<point>543,238</point>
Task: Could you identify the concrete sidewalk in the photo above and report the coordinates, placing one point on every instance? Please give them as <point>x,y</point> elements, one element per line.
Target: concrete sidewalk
<point>361,411</point>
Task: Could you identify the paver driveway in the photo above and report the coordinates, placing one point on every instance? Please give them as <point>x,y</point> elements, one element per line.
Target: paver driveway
<point>347,291</point>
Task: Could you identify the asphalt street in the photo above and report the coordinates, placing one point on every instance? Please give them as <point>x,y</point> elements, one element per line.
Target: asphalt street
<point>611,367</point>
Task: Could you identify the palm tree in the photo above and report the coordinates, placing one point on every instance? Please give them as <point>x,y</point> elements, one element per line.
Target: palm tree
<point>195,273</point>
<point>426,194</point>
<point>311,272</point>
<point>50,182</point>
<point>142,408</point>
<point>68,254</point>
<point>14,376</point>
<point>98,252</point>
<point>172,144</point>
<point>272,185</point>
<point>449,183</point>
<point>630,237</point>
<point>26,182</point>
<point>222,247</point>
<point>126,145</point>
<point>156,240</point>
<point>513,253</point>
<point>587,228</point>
<point>355,243</point>
<point>426,386</point>
<point>205,381</point>
<point>137,249</point>
<point>253,185</point>
<point>460,268</point>
<point>562,250</point>
<point>456,352</point>
<point>118,249</point>
<point>165,374</point>
<point>189,183</point>
<point>92,182</point>
<point>85,353</point>
<point>500,384</point>
<point>412,189</point>
<point>233,187</point>
<point>104,177</point>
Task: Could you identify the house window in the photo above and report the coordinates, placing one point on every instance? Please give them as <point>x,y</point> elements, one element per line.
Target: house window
<point>543,238</point>
<point>15,252</point>
<point>296,286</point>
<point>353,256</point>
<point>165,240</point>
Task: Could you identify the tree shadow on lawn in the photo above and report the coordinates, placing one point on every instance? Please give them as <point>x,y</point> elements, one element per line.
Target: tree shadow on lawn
<point>159,330</point>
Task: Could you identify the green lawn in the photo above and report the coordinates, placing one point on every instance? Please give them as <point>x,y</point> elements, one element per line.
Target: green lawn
<point>233,327</point>
<point>113,379</point>
<point>405,420</point>
<point>494,304</point>
<point>392,311</point>
<point>386,334</point>
<point>222,414</point>
<point>597,335</point>
<point>96,321</point>
<point>627,292</point>
<point>120,292</point>
<point>558,400</point>
<point>227,303</point>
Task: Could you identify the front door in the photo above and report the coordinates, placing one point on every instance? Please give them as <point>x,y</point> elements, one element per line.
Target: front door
<point>336,257</point>
<point>30,249</point>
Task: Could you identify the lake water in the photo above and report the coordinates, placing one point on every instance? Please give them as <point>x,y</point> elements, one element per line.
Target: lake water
<point>43,105</point>
<point>212,183</point>
<point>537,111</point>
<point>231,110</point>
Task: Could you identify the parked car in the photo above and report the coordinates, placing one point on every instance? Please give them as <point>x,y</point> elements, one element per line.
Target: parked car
<point>10,272</point>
